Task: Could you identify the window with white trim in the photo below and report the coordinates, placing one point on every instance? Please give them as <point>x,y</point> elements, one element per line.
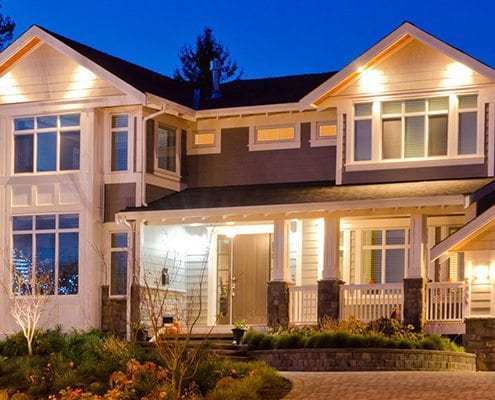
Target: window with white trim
<point>47,143</point>
<point>45,253</point>
<point>204,141</point>
<point>120,142</point>
<point>275,137</point>
<point>383,255</point>
<point>166,148</point>
<point>416,129</point>
<point>323,133</point>
<point>119,258</point>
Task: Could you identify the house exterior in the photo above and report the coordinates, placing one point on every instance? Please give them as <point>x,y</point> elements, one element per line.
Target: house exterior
<point>282,201</point>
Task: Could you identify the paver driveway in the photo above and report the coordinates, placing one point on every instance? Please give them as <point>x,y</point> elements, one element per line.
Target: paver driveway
<point>391,385</point>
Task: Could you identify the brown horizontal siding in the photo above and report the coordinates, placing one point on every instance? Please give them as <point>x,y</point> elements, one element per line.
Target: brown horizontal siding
<point>236,165</point>
<point>118,196</point>
<point>155,192</point>
<point>415,174</point>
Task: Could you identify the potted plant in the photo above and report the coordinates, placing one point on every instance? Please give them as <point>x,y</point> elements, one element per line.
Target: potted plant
<point>238,331</point>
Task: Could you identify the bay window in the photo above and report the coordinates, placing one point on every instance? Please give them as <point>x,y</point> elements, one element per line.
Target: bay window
<point>45,251</point>
<point>47,143</point>
<point>416,129</point>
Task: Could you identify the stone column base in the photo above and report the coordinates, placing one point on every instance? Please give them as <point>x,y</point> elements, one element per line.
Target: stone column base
<point>480,339</point>
<point>113,314</point>
<point>329,299</point>
<point>278,304</point>
<point>414,302</point>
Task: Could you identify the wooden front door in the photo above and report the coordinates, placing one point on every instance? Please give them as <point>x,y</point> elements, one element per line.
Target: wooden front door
<point>251,256</point>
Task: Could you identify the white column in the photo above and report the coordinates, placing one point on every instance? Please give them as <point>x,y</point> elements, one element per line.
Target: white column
<point>331,248</point>
<point>280,268</point>
<point>418,251</point>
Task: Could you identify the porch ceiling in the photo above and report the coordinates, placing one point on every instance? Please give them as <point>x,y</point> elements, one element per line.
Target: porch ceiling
<point>312,196</point>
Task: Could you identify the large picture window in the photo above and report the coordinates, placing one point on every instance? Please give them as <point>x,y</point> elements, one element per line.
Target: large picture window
<point>47,143</point>
<point>119,255</point>
<point>45,250</point>
<point>416,129</point>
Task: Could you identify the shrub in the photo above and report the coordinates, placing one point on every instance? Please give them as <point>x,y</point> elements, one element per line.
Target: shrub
<point>292,340</point>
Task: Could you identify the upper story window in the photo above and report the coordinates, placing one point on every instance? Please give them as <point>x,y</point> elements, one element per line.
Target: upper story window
<point>420,129</point>
<point>45,253</point>
<point>120,139</point>
<point>166,148</point>
<point>204,142</point>
<point>47,143</point>
<point>275,137</point>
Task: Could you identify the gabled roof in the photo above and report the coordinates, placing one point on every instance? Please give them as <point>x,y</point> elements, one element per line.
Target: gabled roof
<point>307,192</point>
<point>389,43</point>
<point>302,90</point>
<point>468,231</point>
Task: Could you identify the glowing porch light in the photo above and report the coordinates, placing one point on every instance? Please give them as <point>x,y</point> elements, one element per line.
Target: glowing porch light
<point>9,89</point>
<point>480,273</point>
<point>371,80</point>
<point>458,74</point>
<point>82,81</point>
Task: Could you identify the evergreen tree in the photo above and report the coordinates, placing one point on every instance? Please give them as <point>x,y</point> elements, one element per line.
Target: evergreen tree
<point>196,62</point>
<point>7,26</point>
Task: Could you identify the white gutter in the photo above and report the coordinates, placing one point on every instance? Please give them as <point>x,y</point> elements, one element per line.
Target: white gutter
<point>144,158</point>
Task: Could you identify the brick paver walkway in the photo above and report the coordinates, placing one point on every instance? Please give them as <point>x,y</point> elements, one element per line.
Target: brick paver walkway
<point>391,385</point>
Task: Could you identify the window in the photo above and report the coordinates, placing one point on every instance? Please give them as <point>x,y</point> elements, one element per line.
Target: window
<point>120,133</point>
<point>204,142</point>
<point>324,133</point>
<point>118,264</point>
<point>362,131</point>
<point>416,129</point>
<point>166,148</point>
<point>47,143</point>
<point>274,137</point>
<point>277,134</point>
<point>45,249</point>
<point>468,126</point>
<point>383,255</point>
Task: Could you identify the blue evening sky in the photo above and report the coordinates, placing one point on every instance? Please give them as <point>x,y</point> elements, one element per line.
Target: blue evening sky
<point>267,38</point>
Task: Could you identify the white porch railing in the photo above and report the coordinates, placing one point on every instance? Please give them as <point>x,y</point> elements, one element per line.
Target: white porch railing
<point>446,301</point>
<point>303,303</point>
<point>370,302</point>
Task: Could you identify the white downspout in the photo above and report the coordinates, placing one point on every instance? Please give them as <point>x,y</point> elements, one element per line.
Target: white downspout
<point>144,158</point>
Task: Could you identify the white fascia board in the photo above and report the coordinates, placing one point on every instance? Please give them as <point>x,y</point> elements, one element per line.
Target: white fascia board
<point>35,32</point>
<point>467,231</point>
<point>330,206</point>
<point>382,45</point>
<point>171,107</point>
<point>246,110</point>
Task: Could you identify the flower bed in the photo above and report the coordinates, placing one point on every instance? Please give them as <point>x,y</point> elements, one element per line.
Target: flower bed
<point>93,366</point>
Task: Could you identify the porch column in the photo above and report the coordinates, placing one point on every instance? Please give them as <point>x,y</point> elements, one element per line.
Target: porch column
<point>414,281</point>
<point>133,279</point>
<point>278,287</point>
<point>329,284</point>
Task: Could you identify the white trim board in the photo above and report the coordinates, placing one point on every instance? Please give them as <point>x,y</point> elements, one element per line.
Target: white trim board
<point>466,232</point>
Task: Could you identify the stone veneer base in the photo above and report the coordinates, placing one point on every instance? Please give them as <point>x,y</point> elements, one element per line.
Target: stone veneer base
<point>366,360</point>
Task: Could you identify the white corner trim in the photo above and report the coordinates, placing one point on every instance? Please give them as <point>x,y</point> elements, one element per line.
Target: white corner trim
<point>216,148</point>
<point>420,163</point>
<point>491,139</point>
<point>275,145</point>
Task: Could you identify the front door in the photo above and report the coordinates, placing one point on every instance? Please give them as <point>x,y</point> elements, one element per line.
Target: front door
<point>243,272</point>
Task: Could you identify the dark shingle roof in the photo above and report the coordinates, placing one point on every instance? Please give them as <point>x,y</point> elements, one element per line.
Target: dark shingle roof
<point>239,93</point>
<point>308,192</point>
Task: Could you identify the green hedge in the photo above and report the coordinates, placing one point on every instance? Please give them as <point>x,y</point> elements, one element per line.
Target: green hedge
<point>320,339</point>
